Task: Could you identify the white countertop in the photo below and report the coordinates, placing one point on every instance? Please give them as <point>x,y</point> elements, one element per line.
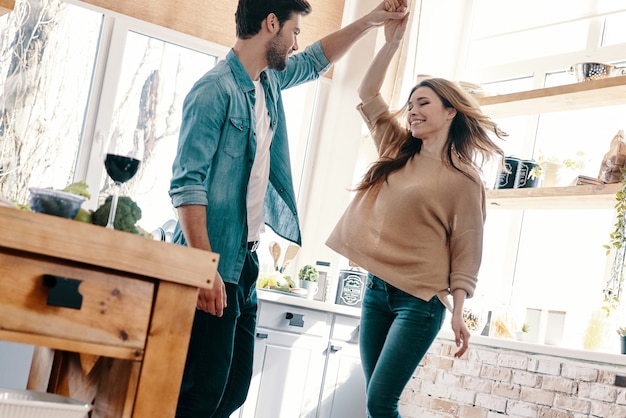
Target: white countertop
<point>446,333</point>
<point>287,299</point>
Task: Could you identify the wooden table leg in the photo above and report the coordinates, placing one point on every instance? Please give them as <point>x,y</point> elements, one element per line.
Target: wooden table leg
<point>166,351</point>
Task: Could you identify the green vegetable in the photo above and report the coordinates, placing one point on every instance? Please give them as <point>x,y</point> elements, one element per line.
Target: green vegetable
<point>126,216</point>
<point>308,273</point>
<point>80,188</point>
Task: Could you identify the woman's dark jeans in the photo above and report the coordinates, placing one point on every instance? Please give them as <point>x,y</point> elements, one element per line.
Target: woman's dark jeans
<point>219,361</point>
<point>396,331</point>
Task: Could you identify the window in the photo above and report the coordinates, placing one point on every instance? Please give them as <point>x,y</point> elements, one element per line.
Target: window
<point>47,57</point>
<point>533,258</point>
<point>149,85</point>
<point>96,74</point>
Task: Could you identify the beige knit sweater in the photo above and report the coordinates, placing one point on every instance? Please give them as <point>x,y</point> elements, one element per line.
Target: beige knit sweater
<point>422,230</point>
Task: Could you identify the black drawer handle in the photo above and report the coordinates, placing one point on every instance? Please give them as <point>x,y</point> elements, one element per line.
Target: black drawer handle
<point>262,335</point>
<point>334,348</point>
<point>295,320</point>
<point>63,292</point>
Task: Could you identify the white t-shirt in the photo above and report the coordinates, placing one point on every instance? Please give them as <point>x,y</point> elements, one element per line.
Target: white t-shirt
<point>259,177</point>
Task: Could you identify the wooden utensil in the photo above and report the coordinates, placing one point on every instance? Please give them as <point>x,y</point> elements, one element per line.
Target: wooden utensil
<point>275,252</point>
<point>290,253</point>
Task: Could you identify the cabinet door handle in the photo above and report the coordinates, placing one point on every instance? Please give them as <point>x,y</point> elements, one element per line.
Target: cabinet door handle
<point>295,320</point>
<point>334,348</point>
<point>261,335</point>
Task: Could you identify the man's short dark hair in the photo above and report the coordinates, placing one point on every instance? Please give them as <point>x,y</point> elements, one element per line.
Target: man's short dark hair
<point>250,14</point>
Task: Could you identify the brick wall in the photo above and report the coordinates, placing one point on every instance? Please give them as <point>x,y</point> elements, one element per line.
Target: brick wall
<point>489,382</point>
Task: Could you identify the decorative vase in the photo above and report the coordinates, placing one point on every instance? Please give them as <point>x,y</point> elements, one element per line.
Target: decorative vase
<point>555,175</point>
<point>623,340</point>
<point>600,331</point>
<point>310,286</point>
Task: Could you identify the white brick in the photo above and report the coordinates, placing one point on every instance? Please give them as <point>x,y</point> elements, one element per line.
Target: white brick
<point>513,361</point>
<point>436,348</point>
<point>526,378</point>
<point>491,402</point>
<point>462,395</point>
<point>445,406</point>
<point>544,366</point>
<point>495,373</point>
<point>483,356</point>
<point>506,390</point>
<point>621,396</point>
<point>467,368</point>
<point>604,410</point>
<point>449,379</point>
<point>521,409</point>
<point>478,385</point>
<point>469,411</point>
<point>559,384</point>
<point>426,373</point>
<point>585,374</point>
<point>549,412</point>
<point>606,376</point>
<point>598,392</point>
<point>571,403</point>
<point>537,396</point>
<point>434,389</point>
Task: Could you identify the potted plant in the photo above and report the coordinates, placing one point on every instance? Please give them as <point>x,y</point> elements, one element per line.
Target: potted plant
<point>308,276</point>
<point>558,171</point>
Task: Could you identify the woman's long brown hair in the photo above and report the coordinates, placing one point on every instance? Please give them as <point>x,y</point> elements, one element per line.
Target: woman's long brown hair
<point>468,138</point>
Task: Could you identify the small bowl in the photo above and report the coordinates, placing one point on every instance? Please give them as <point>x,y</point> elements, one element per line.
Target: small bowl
<point>55,202</point>
<point>585,71</point>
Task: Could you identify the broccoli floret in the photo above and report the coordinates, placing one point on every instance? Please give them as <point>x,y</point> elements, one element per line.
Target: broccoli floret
<point>126,216</point>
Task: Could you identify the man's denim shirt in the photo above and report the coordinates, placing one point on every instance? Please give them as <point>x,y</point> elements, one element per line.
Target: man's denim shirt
<point>216,150</point>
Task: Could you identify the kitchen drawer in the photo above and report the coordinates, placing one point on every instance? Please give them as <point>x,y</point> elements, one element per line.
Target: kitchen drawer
<point>290,318</point>
<point>114,310</point>
<point>346,328</point>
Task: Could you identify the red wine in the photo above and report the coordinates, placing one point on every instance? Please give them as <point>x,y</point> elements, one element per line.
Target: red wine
<point>120,168</point>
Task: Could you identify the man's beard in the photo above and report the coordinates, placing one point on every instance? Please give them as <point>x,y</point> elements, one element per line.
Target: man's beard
<point>275,55</point>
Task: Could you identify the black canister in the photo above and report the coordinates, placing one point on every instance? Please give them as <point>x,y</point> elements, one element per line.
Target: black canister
<point>508,175</point>
<point>526,177</point>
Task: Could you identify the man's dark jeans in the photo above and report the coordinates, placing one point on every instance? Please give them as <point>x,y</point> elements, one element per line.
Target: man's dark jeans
<point>219,361</point>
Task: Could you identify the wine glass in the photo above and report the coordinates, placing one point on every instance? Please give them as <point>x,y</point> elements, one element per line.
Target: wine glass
<point>121,162</point>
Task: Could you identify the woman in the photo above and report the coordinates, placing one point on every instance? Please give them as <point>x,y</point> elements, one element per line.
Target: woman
<point>415,223</point>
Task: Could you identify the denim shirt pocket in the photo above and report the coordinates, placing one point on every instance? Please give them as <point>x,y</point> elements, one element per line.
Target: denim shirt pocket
<point>236,136</point>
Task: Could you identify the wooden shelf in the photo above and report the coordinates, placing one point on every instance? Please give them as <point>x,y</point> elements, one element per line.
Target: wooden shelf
<point>594,93</point>
<point>572,197</point>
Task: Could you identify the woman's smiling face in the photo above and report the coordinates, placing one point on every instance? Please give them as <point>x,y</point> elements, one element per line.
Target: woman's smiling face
<point>427,115</point>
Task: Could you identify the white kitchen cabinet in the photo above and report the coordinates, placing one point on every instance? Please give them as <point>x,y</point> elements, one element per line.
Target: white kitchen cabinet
<point>306,365</point>
<point>289,362</point>
<point>343,393</point>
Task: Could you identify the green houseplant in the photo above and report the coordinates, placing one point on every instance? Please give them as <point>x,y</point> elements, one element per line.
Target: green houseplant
<point>308,276</point>
<point>612,290</point>
<point>555,170</point>
<point>308,273</point>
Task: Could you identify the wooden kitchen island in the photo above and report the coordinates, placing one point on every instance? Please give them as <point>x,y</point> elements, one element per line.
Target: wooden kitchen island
<point>109,312</point>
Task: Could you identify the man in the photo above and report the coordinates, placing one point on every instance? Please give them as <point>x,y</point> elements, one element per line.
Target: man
<point>231,175</point>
